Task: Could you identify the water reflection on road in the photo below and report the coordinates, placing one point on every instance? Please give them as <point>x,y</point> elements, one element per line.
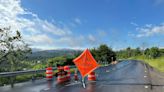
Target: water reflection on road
<point>127,76</point>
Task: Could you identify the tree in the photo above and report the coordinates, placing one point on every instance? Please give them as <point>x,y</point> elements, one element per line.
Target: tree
<point>103,54</point>
<point>138,51</point>
<point>56,60</point>
<point>12,49</point>
<point>143,46</point>
<point>147,52</point>
<point>154,52</point>
<point>95,54</point>
<point>69,61</point>
<point>161,52</point>
<point>128,52</point>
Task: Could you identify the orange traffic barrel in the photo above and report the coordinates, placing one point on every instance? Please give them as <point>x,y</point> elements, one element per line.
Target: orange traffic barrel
<point>60,68</point>
<point>92,76</point>
<point>61,77</point>
<point>49,73</point>
<point>75,76</point>
<point>67,69</point>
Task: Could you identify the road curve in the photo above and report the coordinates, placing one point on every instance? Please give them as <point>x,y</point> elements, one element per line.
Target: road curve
<point>126,76</point>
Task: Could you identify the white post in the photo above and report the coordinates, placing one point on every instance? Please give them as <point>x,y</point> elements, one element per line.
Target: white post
<point>83,82</point>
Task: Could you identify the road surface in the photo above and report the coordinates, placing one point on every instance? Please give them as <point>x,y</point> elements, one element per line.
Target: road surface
<point>126,76</point>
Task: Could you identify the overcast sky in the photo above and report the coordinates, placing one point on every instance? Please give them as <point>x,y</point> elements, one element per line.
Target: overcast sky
<point>80,24</point>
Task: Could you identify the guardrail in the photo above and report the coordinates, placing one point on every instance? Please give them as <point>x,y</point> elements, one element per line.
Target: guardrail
<point>9,74</point>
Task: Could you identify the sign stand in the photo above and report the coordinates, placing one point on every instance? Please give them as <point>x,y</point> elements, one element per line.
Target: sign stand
<point>83,82</point>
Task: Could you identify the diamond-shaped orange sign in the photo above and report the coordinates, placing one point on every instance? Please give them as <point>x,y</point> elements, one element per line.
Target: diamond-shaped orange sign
<point>85,63</point>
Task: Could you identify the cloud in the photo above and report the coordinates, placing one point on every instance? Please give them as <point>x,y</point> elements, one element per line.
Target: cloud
<point>77,21</point>
<point>40,33</point>
<point>149,30</point>
<point>102,33</point>
<point>131,34</point>
<point>39,39</point>
<point>158,2</point>
<point>134,24</point>
<point>78,41</point>
<point>55,29</point>
<point>148,25</point>
<point>14,15</point>
<point>72,41</point>
<point>92,39</point>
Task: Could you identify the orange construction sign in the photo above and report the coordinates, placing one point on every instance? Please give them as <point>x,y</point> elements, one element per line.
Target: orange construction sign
<point>85,63</point>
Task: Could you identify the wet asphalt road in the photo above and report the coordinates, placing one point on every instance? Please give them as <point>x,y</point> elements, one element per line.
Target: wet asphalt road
<point>126,76</point>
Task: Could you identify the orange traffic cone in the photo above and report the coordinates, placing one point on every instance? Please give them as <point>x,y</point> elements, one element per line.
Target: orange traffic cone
<point>91,76</point>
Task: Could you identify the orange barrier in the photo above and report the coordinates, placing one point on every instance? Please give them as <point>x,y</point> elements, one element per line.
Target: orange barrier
<point>91,76</point>
<point>75,77</point>
<point>67,69</point>
<point>61,77</point>
<point>49,73</point>
<point>60,68</point>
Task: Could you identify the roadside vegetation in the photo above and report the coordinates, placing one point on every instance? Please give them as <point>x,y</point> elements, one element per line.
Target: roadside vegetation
<point>154,56</point>
<point>157,63</point>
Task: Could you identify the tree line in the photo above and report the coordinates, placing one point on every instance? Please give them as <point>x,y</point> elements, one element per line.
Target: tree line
<point>152,53</point>
<point>102,54</point>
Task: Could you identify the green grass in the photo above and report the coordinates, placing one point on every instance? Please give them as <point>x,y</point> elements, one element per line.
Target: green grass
<point>157,63</point>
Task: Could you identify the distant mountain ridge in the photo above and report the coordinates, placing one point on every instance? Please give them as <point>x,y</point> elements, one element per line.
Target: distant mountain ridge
<point>44,54</point>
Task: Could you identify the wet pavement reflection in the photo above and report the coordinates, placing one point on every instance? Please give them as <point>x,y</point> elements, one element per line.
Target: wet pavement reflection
<point>126,76</point>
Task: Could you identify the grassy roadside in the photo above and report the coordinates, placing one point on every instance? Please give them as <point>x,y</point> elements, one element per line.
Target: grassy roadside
<point>157,63</point>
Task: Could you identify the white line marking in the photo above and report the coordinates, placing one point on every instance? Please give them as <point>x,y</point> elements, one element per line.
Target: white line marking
<point>107,70</point>
<point>146,86</point>
<point>46,89</point>
<point>73,84</point>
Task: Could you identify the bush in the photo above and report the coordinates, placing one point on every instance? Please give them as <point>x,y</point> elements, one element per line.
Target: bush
<point>4,81</point>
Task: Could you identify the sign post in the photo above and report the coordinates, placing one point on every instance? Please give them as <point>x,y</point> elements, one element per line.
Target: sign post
<point>83,82</point>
